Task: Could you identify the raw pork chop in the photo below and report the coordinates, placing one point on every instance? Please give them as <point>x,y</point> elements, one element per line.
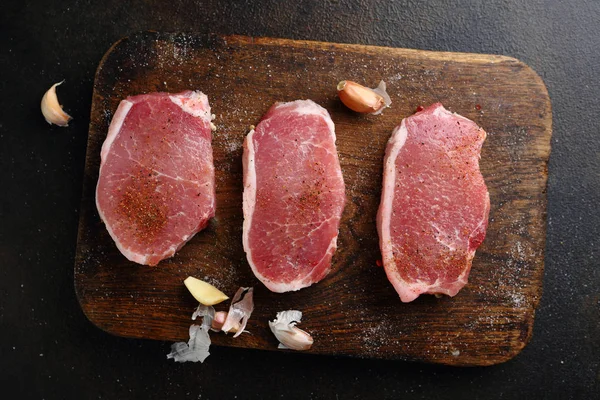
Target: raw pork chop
<point>157,184</point>
<point>293,196</point>
<point>434,205</point>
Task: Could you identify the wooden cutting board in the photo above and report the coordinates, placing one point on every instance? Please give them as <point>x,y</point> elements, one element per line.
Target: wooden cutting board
<point>354,311</point>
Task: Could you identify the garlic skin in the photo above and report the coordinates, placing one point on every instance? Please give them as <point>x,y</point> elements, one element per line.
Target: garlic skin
<point>52,110</point>
<point>239,312</point>
<point>363,99</point>
<point>207,313</point>
<point>289,335</point>
<point>196,349</point>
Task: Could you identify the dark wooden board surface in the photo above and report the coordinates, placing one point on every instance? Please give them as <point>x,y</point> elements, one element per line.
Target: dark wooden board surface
<point>354,311</point>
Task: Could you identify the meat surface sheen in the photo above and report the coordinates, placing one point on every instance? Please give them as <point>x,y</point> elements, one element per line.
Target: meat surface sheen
<point>434,204</point>
<point>156,187</point>
<point>293,196</point>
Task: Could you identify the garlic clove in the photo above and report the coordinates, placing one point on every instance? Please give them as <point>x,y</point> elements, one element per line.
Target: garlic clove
<point>363,99</point>
<point>204,292</point>
<point>219,320</point>
<point>52,110</point>
<point>289,335</point>
<point>295,339</point>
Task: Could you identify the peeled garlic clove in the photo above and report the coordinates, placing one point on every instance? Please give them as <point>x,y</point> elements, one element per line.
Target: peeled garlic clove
<point>289,335</point>
<point>52,110</point>
<point>363,99</point>
<point>204,292</point>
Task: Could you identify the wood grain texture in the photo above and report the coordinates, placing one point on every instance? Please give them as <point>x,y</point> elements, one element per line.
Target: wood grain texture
<point>354,310</point>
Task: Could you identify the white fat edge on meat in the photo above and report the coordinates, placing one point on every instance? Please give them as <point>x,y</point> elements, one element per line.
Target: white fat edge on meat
<point>397,141</point>
<point>249,198</point>
<point>113,131</point>
<point>201,110</point>
<point>115,127</point>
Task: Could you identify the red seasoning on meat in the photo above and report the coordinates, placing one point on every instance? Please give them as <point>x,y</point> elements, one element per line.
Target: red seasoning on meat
<point>293,196</point>
<point>156,187</point>
<point>434,204</point>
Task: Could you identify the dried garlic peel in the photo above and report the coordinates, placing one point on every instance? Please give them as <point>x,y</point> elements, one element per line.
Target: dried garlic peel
<point>204,292</point>
<point>52,110</point>
<point>239,312</point>
<point>196,349</point>
<point>207,313</point>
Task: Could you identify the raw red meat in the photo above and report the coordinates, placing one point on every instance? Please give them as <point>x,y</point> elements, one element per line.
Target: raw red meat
<point>434,205</point>
<point>157,185</point>
<point>293,196</point>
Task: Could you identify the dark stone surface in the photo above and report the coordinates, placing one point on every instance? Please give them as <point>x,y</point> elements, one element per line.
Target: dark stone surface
<point>49,350</point>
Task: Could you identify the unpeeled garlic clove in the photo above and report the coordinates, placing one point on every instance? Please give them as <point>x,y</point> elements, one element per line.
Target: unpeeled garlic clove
<point>289,335</point>
<point>219,321</point>
<point>295,339</point>
<point>363,99</point>
<point>52,110</point>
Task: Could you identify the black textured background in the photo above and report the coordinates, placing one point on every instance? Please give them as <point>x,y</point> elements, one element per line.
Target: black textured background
<point>49,350</point>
